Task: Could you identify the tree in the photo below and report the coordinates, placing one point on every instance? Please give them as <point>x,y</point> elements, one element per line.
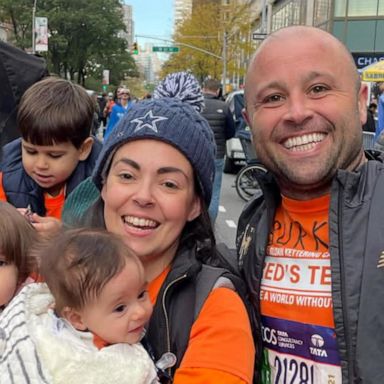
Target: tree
<point>209,24</point>
<point>19,14</point>
<point>83,36</point>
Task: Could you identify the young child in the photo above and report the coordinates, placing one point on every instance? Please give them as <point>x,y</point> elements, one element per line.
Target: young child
<point>87,327</point>
<point>55,152</point>
<point>17,266</point>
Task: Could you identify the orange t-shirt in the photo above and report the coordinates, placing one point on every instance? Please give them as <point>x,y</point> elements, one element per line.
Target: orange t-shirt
<point>296,298</point>
<point>220,348</point>
<point>53,204</point>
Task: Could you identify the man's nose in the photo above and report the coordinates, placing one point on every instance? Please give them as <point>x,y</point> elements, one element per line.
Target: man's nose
<point>298,109</point>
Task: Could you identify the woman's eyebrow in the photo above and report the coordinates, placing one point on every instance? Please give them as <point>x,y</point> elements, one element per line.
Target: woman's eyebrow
<point>127,161</point>
<point>164,170</point>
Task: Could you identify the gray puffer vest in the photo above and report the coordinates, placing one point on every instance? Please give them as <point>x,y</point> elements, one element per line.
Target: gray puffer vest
<point>356,245</point>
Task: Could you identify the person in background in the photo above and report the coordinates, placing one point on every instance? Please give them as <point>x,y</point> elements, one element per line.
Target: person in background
<point>102,101</point>
<point>154,183</point>
<point>221,121</point>
<point>86,321</point>
<point>55,153</point>
<point>120,108</point>
<point>370,124</point>
<point>17,265</point>
<point>380,111</point>
<point>311,247</point>
<point>108,106</point>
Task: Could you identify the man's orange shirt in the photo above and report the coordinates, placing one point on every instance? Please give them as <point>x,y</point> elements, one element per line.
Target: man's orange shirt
<point>53,204</point>
<point>296,297</point>
<point>221,348</point>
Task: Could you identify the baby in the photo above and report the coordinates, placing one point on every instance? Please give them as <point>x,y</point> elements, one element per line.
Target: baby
<point>87,321</point>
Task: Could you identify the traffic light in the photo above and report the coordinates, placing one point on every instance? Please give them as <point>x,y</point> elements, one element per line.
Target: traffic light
<point>135,49</point>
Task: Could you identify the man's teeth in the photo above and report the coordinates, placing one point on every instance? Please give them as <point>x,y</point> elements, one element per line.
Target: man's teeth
<point>140,222</point>
<point>303,143</point>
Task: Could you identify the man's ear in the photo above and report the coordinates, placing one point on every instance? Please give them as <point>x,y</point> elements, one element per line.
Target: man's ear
<point>362,103</point>
<point>74,318</point>
<point>245,115</point>
<point>86,148</point>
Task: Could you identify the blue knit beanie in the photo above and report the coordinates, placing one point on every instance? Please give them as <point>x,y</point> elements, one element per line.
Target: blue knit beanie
<point>173,122</point>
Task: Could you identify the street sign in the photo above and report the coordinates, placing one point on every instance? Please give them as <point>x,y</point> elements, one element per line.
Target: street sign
<point>258,36</point>
<point>165,49</point>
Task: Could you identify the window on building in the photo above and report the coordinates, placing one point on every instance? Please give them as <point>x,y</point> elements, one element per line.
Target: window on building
<point>288,14</point>
<point>358,8</point>
<point>381,8</point>
<point>340,8</point>
<point>362,8</point>
<point>322,12</point>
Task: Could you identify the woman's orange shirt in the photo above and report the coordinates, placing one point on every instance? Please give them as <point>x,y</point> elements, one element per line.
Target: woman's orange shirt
<point>221,348</point>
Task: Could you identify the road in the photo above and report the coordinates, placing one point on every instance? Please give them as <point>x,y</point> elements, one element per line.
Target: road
<point>230,208</point>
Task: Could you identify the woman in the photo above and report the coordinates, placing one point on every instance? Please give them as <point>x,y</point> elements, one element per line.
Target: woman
<point>155,175</point>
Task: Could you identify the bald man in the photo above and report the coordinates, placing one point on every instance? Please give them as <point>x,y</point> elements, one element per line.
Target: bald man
<point>312,247</point>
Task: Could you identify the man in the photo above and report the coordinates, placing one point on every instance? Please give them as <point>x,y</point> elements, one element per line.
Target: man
<point>311,249</point>
<point>222,124</point>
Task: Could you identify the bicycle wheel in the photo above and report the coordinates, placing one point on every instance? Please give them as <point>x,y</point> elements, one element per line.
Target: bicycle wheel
<point>246,182</point>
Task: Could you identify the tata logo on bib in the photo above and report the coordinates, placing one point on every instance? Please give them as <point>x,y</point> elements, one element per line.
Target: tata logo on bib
<point>318,344</point>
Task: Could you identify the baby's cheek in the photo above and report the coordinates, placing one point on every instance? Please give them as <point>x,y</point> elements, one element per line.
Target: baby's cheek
<point>8,284</point>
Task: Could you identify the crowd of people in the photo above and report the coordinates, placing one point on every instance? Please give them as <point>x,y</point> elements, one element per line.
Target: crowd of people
<point>109,267</point>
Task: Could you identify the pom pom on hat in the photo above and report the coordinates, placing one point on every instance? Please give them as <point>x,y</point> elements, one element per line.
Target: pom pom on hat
<point>182,86</point>
<point>173,122</point>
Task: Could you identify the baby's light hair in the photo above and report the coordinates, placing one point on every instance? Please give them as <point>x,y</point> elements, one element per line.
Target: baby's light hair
<point>17,238</point>
<point>76,264</point>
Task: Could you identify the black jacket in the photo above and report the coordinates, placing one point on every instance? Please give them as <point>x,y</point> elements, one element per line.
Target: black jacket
<point>180,299</point>
<point>21,190</point>
<point>18,71</point>
<point>220,120</point>
<point>356,244</point>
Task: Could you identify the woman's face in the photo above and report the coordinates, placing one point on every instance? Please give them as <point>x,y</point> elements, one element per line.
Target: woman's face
<point>149,195</point>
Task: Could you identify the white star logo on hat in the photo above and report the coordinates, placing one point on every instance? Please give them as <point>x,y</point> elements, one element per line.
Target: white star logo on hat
<point>148,121</point>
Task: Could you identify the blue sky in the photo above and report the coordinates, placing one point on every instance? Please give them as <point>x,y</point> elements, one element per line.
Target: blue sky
<point>153,18</point>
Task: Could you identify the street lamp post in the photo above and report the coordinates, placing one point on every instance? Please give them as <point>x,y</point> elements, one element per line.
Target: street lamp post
<point>224,58</point>
<point>33,26</point>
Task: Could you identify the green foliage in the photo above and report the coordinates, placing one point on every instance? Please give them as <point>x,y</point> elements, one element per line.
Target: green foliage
<point>83,36</point>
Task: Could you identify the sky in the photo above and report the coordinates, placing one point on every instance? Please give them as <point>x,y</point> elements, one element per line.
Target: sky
<point>152,18</point>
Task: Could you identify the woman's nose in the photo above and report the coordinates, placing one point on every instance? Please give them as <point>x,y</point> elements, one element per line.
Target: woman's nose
<point>144,195</point>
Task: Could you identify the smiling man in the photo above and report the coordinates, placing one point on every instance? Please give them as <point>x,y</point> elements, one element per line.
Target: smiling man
<point>308,247</point>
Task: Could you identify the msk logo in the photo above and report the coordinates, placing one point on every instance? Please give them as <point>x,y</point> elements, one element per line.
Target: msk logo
<point>269,335</point>
<point>318,344</point>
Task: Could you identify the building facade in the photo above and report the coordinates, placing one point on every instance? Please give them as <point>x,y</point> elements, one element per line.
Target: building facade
<point>128,34</point>
<point>182,10</point>
<point>359,24</point>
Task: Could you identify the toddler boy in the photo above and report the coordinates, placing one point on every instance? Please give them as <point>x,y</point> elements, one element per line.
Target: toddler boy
<point>55,152</point>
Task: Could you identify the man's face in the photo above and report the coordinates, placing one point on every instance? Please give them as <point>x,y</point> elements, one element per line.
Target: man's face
<point>305,112</point>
